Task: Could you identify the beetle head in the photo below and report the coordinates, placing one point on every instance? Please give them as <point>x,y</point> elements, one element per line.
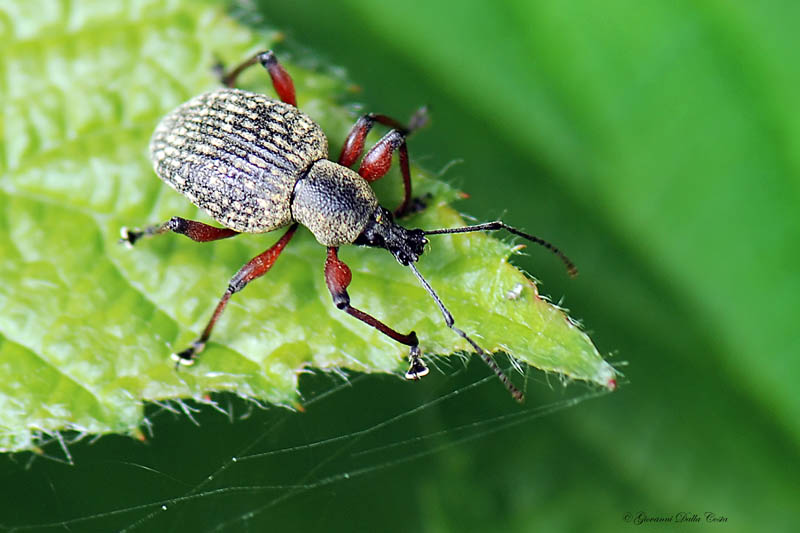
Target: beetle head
<point>381,231</point>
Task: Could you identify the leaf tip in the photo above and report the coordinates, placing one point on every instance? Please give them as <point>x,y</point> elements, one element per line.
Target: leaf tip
<point>607,377</point>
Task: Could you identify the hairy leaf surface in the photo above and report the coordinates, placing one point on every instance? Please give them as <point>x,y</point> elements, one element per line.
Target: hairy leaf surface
<point>86,325</point>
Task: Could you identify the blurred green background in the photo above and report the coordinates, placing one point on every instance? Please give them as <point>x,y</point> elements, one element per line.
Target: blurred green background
<point>658,143</point>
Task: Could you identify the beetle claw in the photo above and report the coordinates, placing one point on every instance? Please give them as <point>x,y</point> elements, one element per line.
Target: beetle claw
<point>182,359</point>
<point>129,236</point>
<point>186,357</point>
<point>417,368</point>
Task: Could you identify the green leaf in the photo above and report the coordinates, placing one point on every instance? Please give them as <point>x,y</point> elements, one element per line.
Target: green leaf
<point>87,326</point>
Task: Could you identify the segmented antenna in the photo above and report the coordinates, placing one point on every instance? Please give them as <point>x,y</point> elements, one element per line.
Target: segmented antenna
<point>572,270</point>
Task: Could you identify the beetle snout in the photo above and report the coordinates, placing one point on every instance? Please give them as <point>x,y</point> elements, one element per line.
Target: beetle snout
<point>412,248</point>
<point>417,242</point>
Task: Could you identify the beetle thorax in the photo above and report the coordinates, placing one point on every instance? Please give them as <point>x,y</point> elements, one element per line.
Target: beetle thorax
<point>334,202</point>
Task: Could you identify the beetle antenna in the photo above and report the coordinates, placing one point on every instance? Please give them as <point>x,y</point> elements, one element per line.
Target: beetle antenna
<point>572,270</point>
<point>448,318</point>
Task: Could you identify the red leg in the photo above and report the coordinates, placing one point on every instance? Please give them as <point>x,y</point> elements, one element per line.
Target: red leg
<point>255,268</point>
<point>280,78</point>
<point>379,159</point>
<point>338,277</point>
<point>354,144</point>
<point>197,231</point>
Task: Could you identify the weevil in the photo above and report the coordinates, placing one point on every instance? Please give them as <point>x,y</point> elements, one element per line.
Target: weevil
<point>256,164</point>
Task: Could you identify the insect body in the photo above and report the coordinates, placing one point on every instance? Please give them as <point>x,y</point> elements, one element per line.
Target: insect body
<point>237,155</point>
<point>256,164</point>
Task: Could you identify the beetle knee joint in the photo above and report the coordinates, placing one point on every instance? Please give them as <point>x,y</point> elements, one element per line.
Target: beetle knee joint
<point>178,225</point>
<point>267,58</point>
<point>341,300</point>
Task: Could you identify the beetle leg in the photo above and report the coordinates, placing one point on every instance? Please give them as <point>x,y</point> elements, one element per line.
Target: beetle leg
<point>379,159</point>
<point>338,277</point>
<point>353,146</point>
<point>255,268</point>
<point>197,231</point>
<point>281,80</point>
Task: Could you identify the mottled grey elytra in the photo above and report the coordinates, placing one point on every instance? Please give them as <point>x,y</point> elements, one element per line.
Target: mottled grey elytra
<point>239,156</point>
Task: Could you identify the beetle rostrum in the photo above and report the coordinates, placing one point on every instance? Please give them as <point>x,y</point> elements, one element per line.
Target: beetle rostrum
<point>256,164</point>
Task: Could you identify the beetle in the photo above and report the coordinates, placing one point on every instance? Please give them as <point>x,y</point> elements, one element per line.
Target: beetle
<point>256,164</point>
